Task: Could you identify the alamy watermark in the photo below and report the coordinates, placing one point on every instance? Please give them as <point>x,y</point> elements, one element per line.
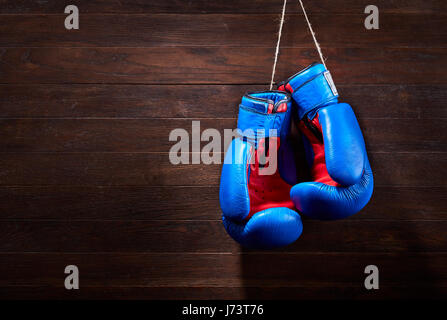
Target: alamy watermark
<point>188,147</point>
<point>372,20</point>
<point>372,280</point>
<point>72,280</point>
<point>72,20</point>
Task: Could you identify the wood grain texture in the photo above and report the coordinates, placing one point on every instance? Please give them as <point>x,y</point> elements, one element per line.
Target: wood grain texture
<point>190,101</point>
<point>433,291</point>
<point>210,236</point>
<point>228,6</point>
<point>294,274</point>
<point>152,135</point>
<point>85,176</point>
<point>131,203</point>
<point>155,169</point>
<point>199,65</point>
<point>211,30</point>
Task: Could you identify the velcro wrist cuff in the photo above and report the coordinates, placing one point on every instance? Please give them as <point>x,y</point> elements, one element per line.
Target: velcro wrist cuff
<point>315,93</point>
<point>255,125</point>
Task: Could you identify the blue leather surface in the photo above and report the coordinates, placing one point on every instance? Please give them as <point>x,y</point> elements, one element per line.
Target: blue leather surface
<point>286,162</point>
<point>344,147</point>
<point>311,89</point>
<point>313,94</point>
<point>233,193</point>
<point>260,101</point>
<point>253,123</point>
<point>345,153</point>
<point>272,227</point>
<point>320,201</point>
<point>260,106</point>
<point>309,152</point>
<point>303,76</point>
<point>267,229</point>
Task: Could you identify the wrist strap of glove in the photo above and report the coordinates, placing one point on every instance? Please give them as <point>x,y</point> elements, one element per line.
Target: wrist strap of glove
<point>315,93</point>
<point>255,125</point>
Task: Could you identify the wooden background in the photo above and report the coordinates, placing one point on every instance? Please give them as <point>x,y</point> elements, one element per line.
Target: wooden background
<point>85,177</point>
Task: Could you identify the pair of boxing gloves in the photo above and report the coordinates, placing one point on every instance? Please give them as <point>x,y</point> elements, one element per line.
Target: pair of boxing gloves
<point>260,187</point>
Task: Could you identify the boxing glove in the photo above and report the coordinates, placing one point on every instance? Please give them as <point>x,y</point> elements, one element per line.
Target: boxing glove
<point>335,150</point>
<point>257,174</point>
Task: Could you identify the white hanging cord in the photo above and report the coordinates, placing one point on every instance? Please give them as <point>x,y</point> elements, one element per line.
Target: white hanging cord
<point>313,34</point>
<point>277,44</point>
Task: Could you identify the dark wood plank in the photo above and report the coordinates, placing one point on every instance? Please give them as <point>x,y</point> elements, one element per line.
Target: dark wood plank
<point>395,101</point>
<point>216,65</point>
<point>192,101</point>
<point>406,203</point>
<point>270,270</point>
<point>210,236</point>
<point>184,203</point>
<point>100,193</point>
<point>131,101</point>
<point>228,6</point>
<point>155,169</point>
<point>409,169</point>
<point>102,169</point>
<point>333,292</point>
<point>110,203</point>
<point>236,30</point>
<point>404,135</point>
<point>152,135</point>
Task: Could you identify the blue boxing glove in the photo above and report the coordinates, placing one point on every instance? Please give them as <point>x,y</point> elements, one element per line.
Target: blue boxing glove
<point>258,173</point>
<point>335,150</point>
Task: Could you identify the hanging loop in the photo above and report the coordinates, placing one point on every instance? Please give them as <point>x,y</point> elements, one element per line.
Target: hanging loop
<point>313,34</point>
<point>317,45</point>
<point>277,44</point>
